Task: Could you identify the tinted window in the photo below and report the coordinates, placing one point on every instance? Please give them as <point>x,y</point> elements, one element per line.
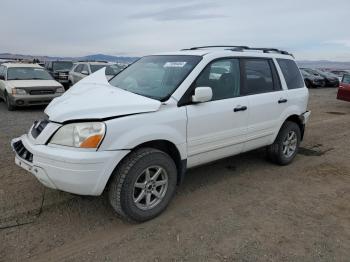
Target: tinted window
<point>257,76</point>
<point>2,71</point>
<point>291,73</point>
<point>346,79</point>
<point>85,68</point>
<point>79,68</point>
<point>95,68</point>
<point>223,76</point>
<point>62,65</point>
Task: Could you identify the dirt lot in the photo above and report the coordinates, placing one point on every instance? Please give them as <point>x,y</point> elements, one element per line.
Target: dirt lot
<point>238,209</point>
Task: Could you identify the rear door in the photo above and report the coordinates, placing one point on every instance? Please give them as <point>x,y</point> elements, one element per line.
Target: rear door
<point>267,100</point>
<point>344,88</point>
<point>297,93</point>
<point>217,128</point>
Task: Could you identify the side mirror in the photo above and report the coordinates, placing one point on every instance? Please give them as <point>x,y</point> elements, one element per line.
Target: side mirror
<point>84,72</point>
<point>2,77</point>
<point>202,94</point>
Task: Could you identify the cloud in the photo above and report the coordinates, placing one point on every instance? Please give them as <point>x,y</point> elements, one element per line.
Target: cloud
<point>195,11</point>
<point>140,27</point>
<point>343,42</point>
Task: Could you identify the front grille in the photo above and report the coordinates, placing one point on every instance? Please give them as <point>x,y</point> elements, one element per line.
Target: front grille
<point>41,92</point>
<point>39,127</point>
<point>22,151</point>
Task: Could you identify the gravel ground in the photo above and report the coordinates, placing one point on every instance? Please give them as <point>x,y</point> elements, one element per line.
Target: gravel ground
<point>242,208</point>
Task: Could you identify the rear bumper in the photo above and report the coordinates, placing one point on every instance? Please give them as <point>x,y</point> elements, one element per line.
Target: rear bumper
<point>304,117</point>
<point>67,169</point>
<point>28,100</point>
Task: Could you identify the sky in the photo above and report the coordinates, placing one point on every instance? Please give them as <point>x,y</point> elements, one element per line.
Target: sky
<point>311,29</point>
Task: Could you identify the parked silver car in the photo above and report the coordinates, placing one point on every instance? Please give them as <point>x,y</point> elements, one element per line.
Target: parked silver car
<point>83,69</point>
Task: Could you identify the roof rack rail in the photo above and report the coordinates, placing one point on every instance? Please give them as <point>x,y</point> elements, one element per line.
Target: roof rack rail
<point>215,46</point>
<point>242,48</point>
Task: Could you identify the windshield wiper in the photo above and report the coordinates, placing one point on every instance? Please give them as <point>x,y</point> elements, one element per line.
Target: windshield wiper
<point>152,97</point>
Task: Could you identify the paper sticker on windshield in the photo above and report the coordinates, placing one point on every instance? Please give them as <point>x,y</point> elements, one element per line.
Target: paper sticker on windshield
<point>175,64</point>
<point>38,69</point>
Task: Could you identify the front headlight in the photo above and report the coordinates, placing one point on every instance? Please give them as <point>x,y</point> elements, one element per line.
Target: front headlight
<point>81,135</point>
<point>60,90</point>
<point>18,91</point>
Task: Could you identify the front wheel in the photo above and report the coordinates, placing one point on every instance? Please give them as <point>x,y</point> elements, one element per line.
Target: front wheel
<point>10,106</point>
<point>143,184</point>
<point>286,145</point>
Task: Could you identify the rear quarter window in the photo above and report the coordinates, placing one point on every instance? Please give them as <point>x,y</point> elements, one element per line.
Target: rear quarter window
<point>291,73</point>
<point>346,79</point>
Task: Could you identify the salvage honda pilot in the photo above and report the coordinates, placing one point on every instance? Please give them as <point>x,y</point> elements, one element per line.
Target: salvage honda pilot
<point>135,135</point>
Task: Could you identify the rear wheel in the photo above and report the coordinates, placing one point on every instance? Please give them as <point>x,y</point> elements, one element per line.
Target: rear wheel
<point>286,145</point>
<point>143,184</point>
<point>309,84</point>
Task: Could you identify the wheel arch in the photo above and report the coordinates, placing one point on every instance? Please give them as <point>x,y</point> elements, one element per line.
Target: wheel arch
<point>172,150</point>
<point>296,119</point>
<point>166,146</point>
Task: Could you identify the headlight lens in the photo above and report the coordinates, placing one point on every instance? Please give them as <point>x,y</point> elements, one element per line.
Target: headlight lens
<point>60,90</point>
<point>81,135</point>
<point>18,91</point>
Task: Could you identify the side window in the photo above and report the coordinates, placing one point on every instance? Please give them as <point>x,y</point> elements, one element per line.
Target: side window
<point>257,75</point>
<point>291,73</point>
<point>86,68</point>
<point>2,72</point>
<point>223,76</point>
<point>79,68</point>
<point>346,79</point>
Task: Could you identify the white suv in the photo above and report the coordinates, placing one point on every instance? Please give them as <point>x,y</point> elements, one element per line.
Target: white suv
<point>136,135</point>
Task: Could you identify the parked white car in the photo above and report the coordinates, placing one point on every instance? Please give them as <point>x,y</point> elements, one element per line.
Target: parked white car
<point>83,69</point>
<point>26,85</point>
<point>136,135</point>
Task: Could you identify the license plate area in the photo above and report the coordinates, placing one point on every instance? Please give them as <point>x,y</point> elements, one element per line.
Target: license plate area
<point>23,164</point>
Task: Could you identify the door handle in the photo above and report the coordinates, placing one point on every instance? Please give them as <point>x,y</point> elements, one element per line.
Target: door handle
<point>239,108</point>
<point>282,100</point>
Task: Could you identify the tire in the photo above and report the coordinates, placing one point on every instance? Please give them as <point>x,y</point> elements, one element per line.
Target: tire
<point>130,172</point>
<point>9,106</point>
<point>309,84</point>
<point>277,152</point>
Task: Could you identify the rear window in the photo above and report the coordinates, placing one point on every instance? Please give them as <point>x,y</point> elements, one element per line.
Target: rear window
<point>346,79</point>
<point>291,73</point>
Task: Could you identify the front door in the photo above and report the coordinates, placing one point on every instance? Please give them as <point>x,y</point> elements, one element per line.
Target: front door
<point>217,128</point>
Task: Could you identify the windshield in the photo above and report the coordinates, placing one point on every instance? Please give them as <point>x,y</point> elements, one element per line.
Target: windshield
<point>156,76</point>
<point>27,73</point>
<point>113,70</point>
<point>62,65</point>
<point>95,68</point>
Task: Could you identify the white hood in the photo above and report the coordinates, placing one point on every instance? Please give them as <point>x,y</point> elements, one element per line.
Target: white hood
<point>94,98</point>
<point>33,83</point>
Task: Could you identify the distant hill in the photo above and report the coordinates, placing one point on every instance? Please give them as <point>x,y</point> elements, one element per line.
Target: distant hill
<point>96,57</point>
<point>324,64</point>
<point>130,59</point>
